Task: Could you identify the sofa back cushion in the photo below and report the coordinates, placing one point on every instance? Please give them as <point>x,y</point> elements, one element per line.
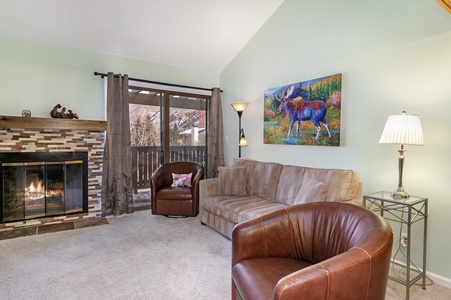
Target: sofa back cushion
<point>232,181</point>
<point>311,190</point>
<point>262,177</point>
<point>342,185</point>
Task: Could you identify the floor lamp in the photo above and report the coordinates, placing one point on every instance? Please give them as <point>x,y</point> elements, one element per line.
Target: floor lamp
<point>402,129</point>
<point>240,107</point>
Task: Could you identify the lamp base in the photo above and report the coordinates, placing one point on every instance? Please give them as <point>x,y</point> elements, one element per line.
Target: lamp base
<point>400,195</point>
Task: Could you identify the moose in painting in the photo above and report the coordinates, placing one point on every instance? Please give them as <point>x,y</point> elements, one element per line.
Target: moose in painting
<point>300,110</point>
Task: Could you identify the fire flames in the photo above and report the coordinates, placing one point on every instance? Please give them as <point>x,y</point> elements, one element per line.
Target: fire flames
<point>36,190</point>
<point>35,187</point>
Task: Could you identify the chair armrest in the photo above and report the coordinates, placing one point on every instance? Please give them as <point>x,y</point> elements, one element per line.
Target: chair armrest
<point>312,279</point>
<point>339,275</point>
<point>195,182</point>
<point>267,236</point>
<point>160,178</point>
<point>208,187</point>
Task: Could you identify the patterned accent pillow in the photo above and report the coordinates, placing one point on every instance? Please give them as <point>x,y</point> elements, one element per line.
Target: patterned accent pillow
<point>181,179</point>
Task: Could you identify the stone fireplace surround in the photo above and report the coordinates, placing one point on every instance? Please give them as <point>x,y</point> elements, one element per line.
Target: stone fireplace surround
<point>21,134</point>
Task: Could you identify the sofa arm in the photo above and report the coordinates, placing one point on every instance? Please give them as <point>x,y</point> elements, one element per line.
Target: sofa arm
<point>208,187</point>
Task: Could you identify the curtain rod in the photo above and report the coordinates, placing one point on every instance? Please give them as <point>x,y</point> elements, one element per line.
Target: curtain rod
<point>161,83</point>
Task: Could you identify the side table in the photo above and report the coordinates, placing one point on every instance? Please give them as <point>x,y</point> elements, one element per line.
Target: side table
<point>400,212</point>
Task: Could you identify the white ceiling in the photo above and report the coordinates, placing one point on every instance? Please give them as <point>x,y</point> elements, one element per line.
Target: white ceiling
<point>203,35</point>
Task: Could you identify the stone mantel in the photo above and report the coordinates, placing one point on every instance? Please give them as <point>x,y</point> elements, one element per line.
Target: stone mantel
<point>50,123</point>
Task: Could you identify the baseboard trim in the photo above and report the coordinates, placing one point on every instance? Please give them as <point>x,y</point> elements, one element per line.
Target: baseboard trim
<point>446,282</point>
<point>438,279</point>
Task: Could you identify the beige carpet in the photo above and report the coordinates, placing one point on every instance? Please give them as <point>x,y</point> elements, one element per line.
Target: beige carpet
<point>137,256</point>
<point>433,291</point>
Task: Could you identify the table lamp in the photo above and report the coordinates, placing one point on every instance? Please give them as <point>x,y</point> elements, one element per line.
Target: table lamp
<point>402,129</point>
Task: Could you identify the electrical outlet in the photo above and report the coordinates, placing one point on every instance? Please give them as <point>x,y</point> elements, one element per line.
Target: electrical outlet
<point>404,239</point>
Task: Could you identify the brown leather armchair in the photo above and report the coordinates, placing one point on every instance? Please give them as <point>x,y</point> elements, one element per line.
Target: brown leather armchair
<point>175,201</point>
<point>312,251</point>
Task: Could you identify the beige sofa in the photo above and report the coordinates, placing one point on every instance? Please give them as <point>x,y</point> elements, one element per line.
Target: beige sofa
<point>252,188</point>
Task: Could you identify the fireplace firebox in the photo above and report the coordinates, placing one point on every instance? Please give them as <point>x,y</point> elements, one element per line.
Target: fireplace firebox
<point>42,184</point>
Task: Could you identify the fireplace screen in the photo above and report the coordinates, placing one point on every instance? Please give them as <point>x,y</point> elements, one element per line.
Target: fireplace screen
<point>43,184</point>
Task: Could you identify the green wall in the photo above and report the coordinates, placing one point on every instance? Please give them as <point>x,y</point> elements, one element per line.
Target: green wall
<point>395,61</point>
<point>37,76</point>
<point>391,60</point>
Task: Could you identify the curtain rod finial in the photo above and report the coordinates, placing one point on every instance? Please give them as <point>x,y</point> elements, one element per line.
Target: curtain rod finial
<point>99,74</point>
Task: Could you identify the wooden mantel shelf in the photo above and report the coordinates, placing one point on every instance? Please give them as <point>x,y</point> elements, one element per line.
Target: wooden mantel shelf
<point>49,123</point>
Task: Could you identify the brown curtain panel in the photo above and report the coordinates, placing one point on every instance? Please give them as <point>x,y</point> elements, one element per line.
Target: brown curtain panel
<point>117,190</point>
<point>215,135</point>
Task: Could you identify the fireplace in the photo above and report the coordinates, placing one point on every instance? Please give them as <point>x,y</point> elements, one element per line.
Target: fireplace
<point>42,184</point>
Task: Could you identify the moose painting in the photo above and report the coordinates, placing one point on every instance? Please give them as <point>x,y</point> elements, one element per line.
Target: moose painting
<point>304,113</point>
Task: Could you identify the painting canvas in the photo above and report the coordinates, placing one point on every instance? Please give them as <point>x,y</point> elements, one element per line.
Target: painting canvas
<point>304,113</point>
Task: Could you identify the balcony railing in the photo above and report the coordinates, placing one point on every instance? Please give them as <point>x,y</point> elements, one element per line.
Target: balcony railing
<point>146,159</point>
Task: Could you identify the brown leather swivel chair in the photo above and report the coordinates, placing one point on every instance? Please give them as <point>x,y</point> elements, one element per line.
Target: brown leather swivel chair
<point>175,201</point>
<point>312,251</point>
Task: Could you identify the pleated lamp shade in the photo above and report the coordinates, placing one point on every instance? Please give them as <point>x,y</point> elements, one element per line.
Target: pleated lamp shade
<point>403,129</point>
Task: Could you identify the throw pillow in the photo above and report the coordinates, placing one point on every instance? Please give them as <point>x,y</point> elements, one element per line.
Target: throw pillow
<point>232,181</point>
<point>181,180</point>
<point>311,191</point>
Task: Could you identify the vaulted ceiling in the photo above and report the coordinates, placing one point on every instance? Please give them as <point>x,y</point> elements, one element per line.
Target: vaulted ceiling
<point>205,35</point>
<point>201,35</point>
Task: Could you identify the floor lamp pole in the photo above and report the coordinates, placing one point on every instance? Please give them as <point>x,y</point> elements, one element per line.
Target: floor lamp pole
<point>239,133</point>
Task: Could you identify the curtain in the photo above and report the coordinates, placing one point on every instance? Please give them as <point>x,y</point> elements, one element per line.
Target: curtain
<point>215,135</point>
<point>117,190</point>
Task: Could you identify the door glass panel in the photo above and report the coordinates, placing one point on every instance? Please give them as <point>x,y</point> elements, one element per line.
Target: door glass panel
<point>187,129</point>
<point>146,140</point>
<point>145,117</point>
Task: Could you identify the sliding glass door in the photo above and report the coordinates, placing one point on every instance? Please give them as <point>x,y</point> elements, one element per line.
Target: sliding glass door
<point>165,126</point>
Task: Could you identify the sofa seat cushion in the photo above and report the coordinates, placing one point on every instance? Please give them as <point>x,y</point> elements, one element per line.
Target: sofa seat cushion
<point>174,193</point>
<point>229,207</point>
<point>259,210</point>
<point>256,278</point>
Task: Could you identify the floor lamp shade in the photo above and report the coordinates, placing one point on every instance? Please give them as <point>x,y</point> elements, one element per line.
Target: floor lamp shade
<point>239,106</point>
<point>402,129</point>
<point>243,142</point>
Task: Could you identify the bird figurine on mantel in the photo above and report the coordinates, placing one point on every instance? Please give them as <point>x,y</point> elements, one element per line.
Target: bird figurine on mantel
<point>55,113</point>
<point>72,115</point>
